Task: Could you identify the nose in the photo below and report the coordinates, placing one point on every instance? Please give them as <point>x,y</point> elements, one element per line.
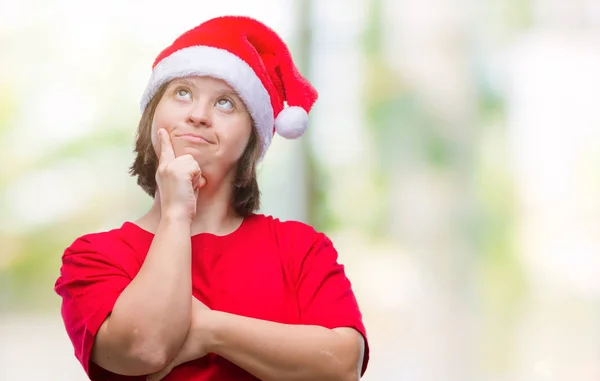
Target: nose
<point>200,114</point>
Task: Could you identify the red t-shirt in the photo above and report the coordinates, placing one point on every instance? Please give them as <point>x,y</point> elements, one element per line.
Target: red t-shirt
<point>284,272</point>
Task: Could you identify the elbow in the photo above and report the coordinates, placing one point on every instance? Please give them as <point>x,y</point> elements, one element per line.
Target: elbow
<point>150,358</point>
<point>351,357</point>
<point>132,361</point>
<point>348,374</point>
<point>343,371</point>
<point>128,351</point>
<point>153,354</point>
<point>347,369</point>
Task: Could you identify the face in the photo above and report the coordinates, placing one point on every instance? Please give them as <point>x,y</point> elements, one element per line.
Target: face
<point>206,119</point>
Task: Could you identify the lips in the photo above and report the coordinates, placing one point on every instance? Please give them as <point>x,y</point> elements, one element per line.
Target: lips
<point>197,138</point>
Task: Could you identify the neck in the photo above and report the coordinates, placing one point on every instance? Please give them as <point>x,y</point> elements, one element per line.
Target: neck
<point>214,212</point>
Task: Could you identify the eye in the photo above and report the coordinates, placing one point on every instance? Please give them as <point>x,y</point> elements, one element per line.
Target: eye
<point>183,93</point>
<point>224,104</point>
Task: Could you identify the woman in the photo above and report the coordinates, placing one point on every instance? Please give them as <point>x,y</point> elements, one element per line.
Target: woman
<point>201,287</point>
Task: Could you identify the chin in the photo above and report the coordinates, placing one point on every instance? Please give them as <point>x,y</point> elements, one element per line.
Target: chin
<point>186,149</point>
<point>203,160</point>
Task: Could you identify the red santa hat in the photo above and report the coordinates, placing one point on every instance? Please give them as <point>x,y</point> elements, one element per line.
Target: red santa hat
<point>253,60</point>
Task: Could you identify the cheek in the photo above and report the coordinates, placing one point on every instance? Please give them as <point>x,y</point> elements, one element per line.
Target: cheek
<point>167,116</point>
<point>164,117</point>
<point>241,142</point>
<point>234,138</point>
<point>154,135</point>
<point>159,120</point>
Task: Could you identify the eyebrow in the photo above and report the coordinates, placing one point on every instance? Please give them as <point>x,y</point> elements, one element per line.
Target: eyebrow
<point>232,94</point>
<point>220,91</point>
<point>229,92</point>
<point>183,81</point>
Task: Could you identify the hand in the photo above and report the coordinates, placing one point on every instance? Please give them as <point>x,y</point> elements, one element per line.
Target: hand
<point>178,180</point>
<point>195,345</point>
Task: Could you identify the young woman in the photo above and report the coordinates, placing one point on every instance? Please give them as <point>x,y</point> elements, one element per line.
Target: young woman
<point>201,287</point>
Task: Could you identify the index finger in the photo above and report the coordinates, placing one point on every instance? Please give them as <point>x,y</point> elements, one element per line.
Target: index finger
<point>166,148</point>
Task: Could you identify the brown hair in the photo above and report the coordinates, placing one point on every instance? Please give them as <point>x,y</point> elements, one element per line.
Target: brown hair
<point>246,195</point>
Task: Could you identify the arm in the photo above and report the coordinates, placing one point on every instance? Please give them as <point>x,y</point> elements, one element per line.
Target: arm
<point>315,349</point>
<point>274,351</point>
<point>150,319</point>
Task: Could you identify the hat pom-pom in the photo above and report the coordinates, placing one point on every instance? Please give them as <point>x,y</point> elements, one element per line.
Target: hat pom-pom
<point>291,122</point>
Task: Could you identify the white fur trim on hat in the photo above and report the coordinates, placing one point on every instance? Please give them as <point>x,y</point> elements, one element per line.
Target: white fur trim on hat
<point>221,64</point>
<point>291,122</point>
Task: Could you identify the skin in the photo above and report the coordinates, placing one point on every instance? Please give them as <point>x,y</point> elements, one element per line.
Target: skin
<point>211,109</point>
<point>307,353</point>
<point>200,130</point>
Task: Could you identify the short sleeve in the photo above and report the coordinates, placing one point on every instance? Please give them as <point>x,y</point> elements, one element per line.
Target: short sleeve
<point>89,284</point>
<point>324,292</point>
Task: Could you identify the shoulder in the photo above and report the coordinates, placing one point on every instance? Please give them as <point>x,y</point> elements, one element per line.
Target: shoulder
<point>94,242</point>
<point>117,246</point>
<point>294,238</point>
<point>102,253</point>
<point>287,230</point>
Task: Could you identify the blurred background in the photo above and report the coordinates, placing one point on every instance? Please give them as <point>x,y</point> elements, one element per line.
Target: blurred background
<point>453,157</point>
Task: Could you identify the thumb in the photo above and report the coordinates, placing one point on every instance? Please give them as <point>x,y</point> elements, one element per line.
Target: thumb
<point>198,181</point>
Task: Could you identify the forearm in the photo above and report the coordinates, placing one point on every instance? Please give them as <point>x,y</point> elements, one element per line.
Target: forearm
<point>150,320</point>
<point>274,351</point>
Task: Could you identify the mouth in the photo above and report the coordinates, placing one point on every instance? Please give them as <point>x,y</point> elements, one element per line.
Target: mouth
<point>195,138</point>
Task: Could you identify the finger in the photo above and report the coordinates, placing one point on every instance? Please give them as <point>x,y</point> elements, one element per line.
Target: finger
<point>166,147</point>
<point>200,181</point>
<point>195,187</point>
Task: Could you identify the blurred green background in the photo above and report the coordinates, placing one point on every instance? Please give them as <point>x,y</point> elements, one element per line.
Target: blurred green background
<point>453,157</point>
